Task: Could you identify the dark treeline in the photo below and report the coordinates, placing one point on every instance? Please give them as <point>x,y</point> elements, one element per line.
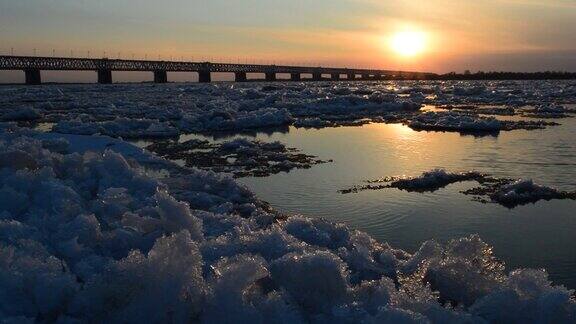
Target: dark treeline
<point>481,75</point>
<point>547,75</point>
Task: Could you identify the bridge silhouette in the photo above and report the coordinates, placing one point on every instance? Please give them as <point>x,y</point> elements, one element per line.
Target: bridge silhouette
<point>33,65</point>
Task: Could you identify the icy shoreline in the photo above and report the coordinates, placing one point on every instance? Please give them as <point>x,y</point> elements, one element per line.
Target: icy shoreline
<point>113,233</point>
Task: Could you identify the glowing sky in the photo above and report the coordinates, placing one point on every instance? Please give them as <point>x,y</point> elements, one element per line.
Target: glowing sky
<point>517,35</point>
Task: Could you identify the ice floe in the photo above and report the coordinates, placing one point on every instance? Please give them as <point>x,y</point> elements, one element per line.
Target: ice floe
<point>504,191</point>
<point>427,181</point>
<point>450,121</point>
<point>240,157</point>
<point>512,193</point>
<point>470,123</point>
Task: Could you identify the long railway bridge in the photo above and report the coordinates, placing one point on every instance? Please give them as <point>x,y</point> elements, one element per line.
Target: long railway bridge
<point>33,65</point>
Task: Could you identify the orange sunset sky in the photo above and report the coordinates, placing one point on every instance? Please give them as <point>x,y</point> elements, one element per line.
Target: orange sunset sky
<point>433,35</point>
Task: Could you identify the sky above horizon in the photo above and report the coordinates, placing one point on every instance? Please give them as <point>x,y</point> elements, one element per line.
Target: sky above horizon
<point>512,35</point>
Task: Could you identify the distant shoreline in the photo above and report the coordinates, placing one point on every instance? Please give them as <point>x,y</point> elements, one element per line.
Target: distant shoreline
<point>547,75</point>
<point>478,76</point>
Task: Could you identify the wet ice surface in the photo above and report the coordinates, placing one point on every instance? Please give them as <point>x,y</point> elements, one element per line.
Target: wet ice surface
<point>122,235</point>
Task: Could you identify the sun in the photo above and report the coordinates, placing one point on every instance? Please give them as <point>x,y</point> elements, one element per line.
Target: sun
<point>408,43</point>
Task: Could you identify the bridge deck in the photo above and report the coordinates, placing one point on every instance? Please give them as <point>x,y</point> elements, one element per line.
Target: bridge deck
<point>34,64</point>
<point>91,64</point>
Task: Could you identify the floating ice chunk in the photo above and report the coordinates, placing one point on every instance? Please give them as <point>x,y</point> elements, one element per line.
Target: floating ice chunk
<point>507,192</point>
<point>450,121</point>
<point>434,180</point>
<point>427,181</point>
<point>241,157</point>
<point>525,191</point>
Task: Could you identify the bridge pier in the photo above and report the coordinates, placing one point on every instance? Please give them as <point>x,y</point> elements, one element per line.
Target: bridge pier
<point>204,77</point>
<point>33,76</point>
<point>351,76</point>
<point>240,77</point>
<point>365,77</point>
<point>335,76</point>
<point>160,76</point>
<point>270,76</point>
<point>105,76</point>
<point>295,76</point>
<point>316,76</point>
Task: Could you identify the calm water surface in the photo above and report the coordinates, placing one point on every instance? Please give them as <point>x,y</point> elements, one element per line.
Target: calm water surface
<point>538,236</point>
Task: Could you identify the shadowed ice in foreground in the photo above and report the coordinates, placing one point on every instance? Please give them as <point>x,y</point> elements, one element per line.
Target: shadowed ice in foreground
<point>111,228</point>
